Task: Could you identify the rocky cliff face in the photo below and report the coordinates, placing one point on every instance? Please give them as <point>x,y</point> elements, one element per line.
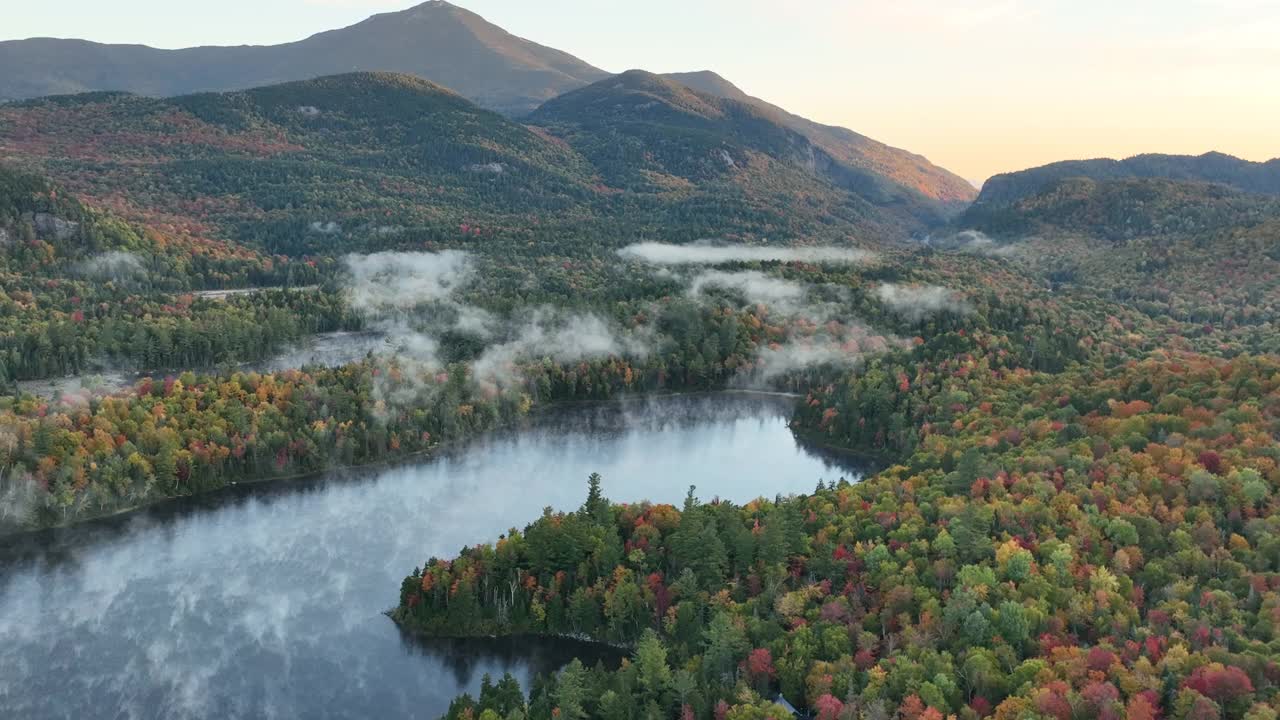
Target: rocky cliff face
<point>50,226</point>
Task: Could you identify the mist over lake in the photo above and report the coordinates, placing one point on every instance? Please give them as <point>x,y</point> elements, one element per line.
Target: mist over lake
<point>267,601</point>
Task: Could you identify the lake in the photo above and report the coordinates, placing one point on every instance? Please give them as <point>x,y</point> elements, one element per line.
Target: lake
<point>266,601</point>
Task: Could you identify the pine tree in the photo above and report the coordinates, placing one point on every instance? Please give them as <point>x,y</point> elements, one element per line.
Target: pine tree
<point>655,674</point>
<point>596,508</point>
<point>570,694</point>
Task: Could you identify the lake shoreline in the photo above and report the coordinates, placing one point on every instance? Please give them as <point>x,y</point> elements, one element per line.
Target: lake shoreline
<point>600,646</point>
<point>20,533</point>
<point>202,606</point>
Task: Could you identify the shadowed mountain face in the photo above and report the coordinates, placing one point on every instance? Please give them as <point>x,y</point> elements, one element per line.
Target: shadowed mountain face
<point>638,127</point>
<point>1243,175</point>
<point>435,40</point>
<point>846,146</point>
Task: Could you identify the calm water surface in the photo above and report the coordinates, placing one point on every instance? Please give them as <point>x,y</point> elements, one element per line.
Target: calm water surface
<point>267,601</point>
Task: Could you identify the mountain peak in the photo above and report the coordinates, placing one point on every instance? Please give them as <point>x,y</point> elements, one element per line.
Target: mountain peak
<point>430,10</point>
<point>438,40</point>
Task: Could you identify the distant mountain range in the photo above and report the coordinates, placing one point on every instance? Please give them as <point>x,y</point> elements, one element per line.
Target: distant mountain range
<point>1243,175</point>
<point>451,47</point>
<point>435,40</point>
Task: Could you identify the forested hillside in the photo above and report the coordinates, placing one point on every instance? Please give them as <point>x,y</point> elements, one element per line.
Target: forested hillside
<point>83,290</point>
<point>374,160</point>
<point>1253,177</point>
<point>1071,390</point>
<point>1198,260</point>
<point>846,146</point>
<point>1080,441</point>
<point>1076,545</point>
<point>644,130</point>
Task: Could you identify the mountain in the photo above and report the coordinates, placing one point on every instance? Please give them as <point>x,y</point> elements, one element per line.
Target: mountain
<point>369,160</point>
<point>298,167</point>
<point>1121,209</point>
<point>435,40</point>
<point>848,147</point>
<point>1254,177</point>
<point>1200,260</point>
<point>640,129</point>
<point>449,46</point>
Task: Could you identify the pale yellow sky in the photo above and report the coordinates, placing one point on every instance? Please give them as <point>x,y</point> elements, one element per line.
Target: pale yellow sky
<point>979,87</point>
<point>1015,84</point>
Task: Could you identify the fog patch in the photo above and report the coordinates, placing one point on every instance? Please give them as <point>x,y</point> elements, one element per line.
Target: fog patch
<point>402,280</point>
<point>115,265</point>
<point>706,253</point>
<point>563,339</point>
<point>409,299</point>
<point>270,605</point>
<point>19,493</point>
<point>839,346</point>
<point>916,302</point>
<point>975,242</point>
<point>775,297</point>
<point>754,285</point>
<point>77,390</point>
<point>821,331</point>
<point>473,321</point>
<point>333,349</point>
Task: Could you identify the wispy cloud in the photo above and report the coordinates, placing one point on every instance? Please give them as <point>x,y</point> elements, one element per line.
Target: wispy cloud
<point>706,253</point>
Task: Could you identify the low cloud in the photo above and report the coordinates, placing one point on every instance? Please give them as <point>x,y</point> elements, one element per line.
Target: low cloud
<point>821,330</point>
<point>845,348</point>
<point>389,281</point>
<point>115,265</point>
<point>976,242</point>
<point>755,286</point>
<point>19,493</point>
<point>78,390</point>
<point>331,350</point>
<point>708,254</point>
<point>916,302</point>
<point>563,339</point>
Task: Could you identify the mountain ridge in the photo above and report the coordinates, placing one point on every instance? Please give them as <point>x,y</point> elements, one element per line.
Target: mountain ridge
<point>1118,210</point>
<point>359,159</point>
<point>902,166</point>
<point>639,123</point>
<point>436,40</point>
<point>1254,177</point>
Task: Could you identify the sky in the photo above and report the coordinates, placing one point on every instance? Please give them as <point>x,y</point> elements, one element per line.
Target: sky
<point>979,87</point>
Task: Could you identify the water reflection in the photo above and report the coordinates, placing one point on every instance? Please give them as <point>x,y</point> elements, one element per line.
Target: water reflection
<point>267,601</point>
<point>466,659</point>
